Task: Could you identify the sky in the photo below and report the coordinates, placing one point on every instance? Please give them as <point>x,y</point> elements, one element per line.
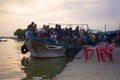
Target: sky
<point>16,14</point>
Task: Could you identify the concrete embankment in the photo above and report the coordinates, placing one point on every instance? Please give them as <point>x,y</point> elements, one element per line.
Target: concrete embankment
<point>78,69</point>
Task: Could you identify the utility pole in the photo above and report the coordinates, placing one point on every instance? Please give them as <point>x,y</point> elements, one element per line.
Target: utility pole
<point>119,25</point>
<point>105,27</point>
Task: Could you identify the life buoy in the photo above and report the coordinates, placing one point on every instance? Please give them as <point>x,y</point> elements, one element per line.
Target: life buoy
<point>24,49</point>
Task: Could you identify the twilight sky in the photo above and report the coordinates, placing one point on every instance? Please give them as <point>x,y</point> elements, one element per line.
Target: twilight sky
<point>16,14</point>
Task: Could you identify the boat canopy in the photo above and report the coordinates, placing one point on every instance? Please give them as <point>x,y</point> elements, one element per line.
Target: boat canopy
<point>109,32</point>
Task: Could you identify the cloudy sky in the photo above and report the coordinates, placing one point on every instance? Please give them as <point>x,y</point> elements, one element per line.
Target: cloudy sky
<point>16,14</point>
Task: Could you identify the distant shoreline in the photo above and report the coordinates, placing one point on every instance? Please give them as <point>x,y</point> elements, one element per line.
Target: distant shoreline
<point>3,37</point>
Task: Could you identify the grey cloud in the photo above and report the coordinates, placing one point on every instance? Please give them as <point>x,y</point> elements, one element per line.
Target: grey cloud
<point>92,9</point>
<point>115,5</point>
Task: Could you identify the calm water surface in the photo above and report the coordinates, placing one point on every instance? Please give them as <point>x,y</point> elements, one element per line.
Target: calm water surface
<point>16,66</point>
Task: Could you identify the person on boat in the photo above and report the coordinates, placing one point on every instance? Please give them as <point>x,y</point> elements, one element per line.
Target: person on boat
<point>65,31</point>
<point>77,32</point>
<point>35,30</point>
<point>70,33</point>
<point>31,25</point>
<point>45,32</point>
<point>53,37</point>
<point>28,32</point>
<point>82,34</point>
<point>41,33</point>
<point>65,36</point>
<point>59,32</point>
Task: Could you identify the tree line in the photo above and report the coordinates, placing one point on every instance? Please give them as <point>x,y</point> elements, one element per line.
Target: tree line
<point>20,33</point>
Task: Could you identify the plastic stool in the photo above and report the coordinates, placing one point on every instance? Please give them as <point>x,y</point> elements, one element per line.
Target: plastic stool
<point>89,49</point>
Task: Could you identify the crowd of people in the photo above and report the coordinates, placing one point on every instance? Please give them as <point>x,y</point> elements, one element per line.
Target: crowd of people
<point>78,36</point>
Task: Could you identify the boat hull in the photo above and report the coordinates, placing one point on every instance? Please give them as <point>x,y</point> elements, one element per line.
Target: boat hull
<point>39,49</point>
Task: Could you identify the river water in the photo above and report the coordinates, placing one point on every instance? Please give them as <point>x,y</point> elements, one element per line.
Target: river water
<point>16,66</point>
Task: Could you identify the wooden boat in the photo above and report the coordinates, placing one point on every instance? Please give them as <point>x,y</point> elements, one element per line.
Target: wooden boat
<point>43,48</point>
<point>40,49</point>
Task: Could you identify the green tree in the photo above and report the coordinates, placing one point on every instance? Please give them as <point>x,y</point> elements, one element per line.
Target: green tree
<point>20,33</point>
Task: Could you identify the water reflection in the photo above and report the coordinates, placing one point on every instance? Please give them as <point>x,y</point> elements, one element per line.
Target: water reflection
<point>42,69</point>
<point>10,57</point>
<point>16,66</point>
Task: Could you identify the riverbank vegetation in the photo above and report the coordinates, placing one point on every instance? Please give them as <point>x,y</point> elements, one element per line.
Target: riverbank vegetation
<point>20,33</point>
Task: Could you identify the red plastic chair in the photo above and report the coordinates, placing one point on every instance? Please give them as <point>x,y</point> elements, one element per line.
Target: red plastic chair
<point>107,50</point>
<point>89,49</point>
<point>103,52</point>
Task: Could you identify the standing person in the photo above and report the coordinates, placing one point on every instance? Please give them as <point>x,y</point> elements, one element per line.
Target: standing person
<point>28,33</point>
<point>53,37</point>
<point>59,31</point>
<point>31,25</point>
<point>70,33</point>
<point>35,30</point>
<point>77,32</point>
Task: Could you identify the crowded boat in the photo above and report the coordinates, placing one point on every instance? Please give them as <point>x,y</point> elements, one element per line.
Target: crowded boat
<point>61,40</point>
